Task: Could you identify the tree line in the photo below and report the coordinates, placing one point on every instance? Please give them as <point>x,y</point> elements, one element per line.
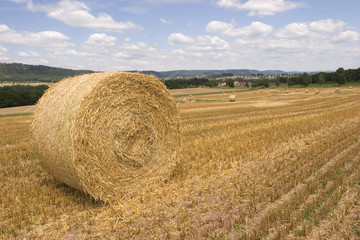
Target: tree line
<point>190,82</point>
<point>20,95</point>
<point>340,77</point>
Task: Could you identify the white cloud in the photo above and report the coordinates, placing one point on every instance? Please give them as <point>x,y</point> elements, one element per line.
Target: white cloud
<point>139,50</point>
<point>48,40</point>
<point>327,26</point>
<point>293,30</point>
<point>68,52</point>
<point>318,30</point>
<point>28,54</point>
<point>219,27</point>
<point>98,43</point>
<point>3,53</point>
<point>20,1</point>
<point>277,44</point>
<point>261,7</point>
<point>77,14</point>
<point>179,38</point>
<point>179,51</point>
<point>100,39</point>
<point>209,43</point>
<point>3,49</point>
<point>255,30</point>
<point>346,36</point>
<point>163,20</point>
<point>200,43</point>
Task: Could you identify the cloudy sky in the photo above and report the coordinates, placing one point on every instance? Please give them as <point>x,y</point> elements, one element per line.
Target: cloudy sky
<point>115,35</point>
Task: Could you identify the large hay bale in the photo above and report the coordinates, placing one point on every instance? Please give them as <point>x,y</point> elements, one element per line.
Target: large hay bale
<point>337,91</point>
<point>107,133</point>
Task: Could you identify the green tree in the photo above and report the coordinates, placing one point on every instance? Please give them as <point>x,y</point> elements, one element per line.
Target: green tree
<point>340,76</point>
<point>230,83</point>
<point>321,78</point>
<point>266,83</point>
<point>305,79</point>
<point>277,81</point>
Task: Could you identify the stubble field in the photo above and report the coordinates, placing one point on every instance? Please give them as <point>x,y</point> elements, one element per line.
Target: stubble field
<point>272,165</point>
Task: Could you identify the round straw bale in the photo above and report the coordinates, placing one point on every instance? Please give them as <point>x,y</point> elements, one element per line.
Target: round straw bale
<point>232,98</point>
<point>337,91</point>
<point>107,134</point>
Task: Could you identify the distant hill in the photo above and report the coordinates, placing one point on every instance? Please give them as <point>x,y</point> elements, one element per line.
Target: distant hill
<point>192,73</point>
<point>18,72</point>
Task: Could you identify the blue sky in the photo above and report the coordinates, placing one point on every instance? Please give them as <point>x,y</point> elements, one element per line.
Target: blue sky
<point>116,35</point>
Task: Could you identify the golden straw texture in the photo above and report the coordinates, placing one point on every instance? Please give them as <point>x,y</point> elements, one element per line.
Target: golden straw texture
<point>107,133</point>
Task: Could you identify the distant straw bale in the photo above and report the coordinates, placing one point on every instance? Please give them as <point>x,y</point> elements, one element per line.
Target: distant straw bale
<point>337,91</point>
<point>191,99</point>
<point>107,134</point>
<point>317,91</point>
<point>232,98</point>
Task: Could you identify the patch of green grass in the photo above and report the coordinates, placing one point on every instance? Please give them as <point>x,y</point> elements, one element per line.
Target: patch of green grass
<point>338,173</point>
<point>310,213</point>
<point>15,115</point>
<point>357,229</point>
<point>299,232</point>
<point>265,234</point>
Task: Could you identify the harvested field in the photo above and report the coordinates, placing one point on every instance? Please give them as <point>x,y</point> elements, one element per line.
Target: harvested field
<point>272,165</point>
<point>17,110</point>
<point>187,91</point>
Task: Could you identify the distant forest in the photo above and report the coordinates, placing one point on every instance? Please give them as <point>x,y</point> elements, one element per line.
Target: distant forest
<point>340,77</point>
<point>18,72</point>
<point>20,95</point>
